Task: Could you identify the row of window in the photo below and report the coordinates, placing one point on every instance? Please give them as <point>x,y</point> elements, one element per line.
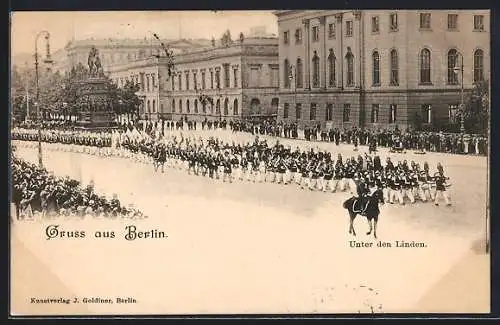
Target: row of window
<point>296,72</point>
<point>196,104</point>
<point>425,23</point>
<point>329,111</point>
<point>214,80</point>
<point>454,69</point>
<point>426,113</point>
<point>152,104</point>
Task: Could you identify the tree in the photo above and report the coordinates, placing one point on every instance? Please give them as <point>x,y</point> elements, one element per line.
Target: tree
<point>51,87</point>
<point>476,110</point>
<point>22,92</point>
<point>125,99</point>
<point>226,39</point>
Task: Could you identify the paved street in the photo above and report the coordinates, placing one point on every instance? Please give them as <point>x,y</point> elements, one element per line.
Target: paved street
<point>258,248</point>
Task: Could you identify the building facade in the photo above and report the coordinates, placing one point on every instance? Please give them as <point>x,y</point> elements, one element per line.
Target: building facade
<point>375,68</point>
<point>150,74</point>
<point>231,81</point>
<point>226,82</point>
<point>117,51</point>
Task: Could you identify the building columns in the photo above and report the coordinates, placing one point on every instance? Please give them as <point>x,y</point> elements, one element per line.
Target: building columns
<point>307,65</point>
<point>322,21</point>
<point>340,34</point>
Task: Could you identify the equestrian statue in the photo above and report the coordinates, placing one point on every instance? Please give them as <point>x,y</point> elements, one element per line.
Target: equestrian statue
<point>94,62</point>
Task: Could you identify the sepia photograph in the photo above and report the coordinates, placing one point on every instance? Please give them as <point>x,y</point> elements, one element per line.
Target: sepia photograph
<point>249,162</point>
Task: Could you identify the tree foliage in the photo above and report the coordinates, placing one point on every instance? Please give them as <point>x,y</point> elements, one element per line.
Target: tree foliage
<point>226,39</point>
<point>476,112</point>
<point>125,99</point>
<point>22,92</point>
<point>59,93</point>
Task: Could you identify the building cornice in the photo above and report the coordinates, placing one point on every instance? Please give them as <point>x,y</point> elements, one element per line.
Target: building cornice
<point>311,14</point>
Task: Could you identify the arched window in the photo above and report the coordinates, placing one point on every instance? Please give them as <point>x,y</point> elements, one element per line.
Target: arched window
<point>298,111</point>
<point>312,112</point>
<point>286,73</point>
<point>217,107</point>
<point>350,69</point>
<point>173,105</point>
<point>374,117</point>
<point>255,106</point>
<point>425,66</point>
<point>299,72</point>
<point>376,68</point>
<point>315,64</point>
<point>331,69</point>
<point>196,106</point>
<point>235,107</point>
<point>149,106</point>
<point>452,63</point>
<point>226,107</point>
<point>154,106</point>
<point>426,112</point>
<point>275,102</point>
<point>188,109</point>
<point>394,68</point>
<point>180,106</point>
<point>478,65</point>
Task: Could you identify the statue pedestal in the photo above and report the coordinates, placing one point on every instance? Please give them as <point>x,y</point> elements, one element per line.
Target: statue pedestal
<point>98,113</point>
<point>96,119</point>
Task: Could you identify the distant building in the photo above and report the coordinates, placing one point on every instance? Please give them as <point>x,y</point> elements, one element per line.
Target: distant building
<point>115,51</point>
<point>214,82</point>
<point>259,31</point>
<point>377,68</point>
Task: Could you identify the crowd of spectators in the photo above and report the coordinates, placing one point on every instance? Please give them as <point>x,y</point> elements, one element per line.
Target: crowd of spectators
<point>37,191</point>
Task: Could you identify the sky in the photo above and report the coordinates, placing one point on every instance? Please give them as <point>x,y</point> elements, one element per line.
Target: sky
<point>64,25</point>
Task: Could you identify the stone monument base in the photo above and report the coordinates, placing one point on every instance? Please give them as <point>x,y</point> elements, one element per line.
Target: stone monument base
<point>98,119</point>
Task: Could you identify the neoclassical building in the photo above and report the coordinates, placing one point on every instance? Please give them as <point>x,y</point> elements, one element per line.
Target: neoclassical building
<point>226,82</point>
<point>117,51</point>
<point>377,68</point>
<point>150,73</point>
<point>231,81</point>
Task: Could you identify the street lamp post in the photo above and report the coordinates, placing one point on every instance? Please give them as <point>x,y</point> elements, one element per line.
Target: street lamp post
<point>457,70</point>
<point>38,116</point>
<point>65,110</point>
<point>120,118</point>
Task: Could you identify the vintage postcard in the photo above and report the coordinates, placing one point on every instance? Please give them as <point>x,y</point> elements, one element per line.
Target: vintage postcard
<point>250,162</point>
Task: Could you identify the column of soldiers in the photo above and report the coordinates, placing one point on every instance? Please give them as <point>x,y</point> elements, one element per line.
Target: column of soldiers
<point>91,142</point>
<point>260,162</point>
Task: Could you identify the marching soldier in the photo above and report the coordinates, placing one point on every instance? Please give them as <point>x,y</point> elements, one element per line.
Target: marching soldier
<point>441,185</point>
<point>328,177</point>
<point>407,186</point>
<point>282,168</point>
<point>227,168</point>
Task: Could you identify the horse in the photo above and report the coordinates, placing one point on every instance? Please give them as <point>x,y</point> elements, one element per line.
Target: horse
<point>371,209</point>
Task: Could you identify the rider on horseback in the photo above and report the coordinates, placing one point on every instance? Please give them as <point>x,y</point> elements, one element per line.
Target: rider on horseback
<point>362,192</point>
